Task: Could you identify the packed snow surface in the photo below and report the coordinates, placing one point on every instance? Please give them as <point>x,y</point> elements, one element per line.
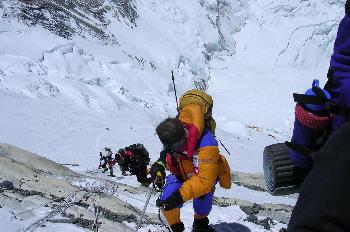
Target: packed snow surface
<point>67,97</point>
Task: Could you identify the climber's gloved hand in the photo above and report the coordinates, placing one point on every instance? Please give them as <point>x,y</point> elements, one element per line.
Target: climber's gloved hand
<point>171,202</point>
<point>157,173</point>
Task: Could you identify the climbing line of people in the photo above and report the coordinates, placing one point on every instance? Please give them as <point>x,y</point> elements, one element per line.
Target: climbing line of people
<point>132,160</point>
<point>190,153</point>
<point>316,160</point>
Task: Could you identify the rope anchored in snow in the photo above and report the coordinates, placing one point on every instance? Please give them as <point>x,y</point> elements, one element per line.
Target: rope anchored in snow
<point>68,202</point>
<point>144,209</point>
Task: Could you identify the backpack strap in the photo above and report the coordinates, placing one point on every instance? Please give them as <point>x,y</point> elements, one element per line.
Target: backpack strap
<point>299,148</point>
<point>329,84</point>
<point>343,111</point>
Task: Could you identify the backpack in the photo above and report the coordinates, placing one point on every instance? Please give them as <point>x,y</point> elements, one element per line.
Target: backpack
<point>203,100</point>
<point>140,153</point>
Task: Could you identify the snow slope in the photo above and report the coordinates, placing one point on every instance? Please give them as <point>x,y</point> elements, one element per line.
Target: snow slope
<point>105,79</point>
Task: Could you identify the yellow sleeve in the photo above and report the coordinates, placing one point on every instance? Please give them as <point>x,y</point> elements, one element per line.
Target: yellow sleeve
<point>204,181</point>
<point>193,114</point>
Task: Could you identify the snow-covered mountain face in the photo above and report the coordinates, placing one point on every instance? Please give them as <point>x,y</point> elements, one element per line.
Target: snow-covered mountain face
<point>70,69</point>
<point>76,76</point>
<point>67,18</point>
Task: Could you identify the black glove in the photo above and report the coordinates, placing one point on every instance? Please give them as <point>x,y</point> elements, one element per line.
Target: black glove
<point>157,170</point>
<point>171,202</point>
<point>157,173</point>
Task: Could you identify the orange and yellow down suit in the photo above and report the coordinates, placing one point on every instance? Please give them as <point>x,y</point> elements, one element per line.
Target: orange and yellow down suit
<point>196,174</point>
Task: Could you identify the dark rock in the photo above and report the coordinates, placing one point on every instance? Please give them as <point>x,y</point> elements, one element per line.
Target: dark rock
<point>67,18</point>
<point>58,199</point>
<point>82,204</point>
<point>7,185</point>
<point>118,217</point>
<point>85,223</point>
<point>254,209</point>
<point>257,207</point>
<point>266,223</point>
<point>252,218</point>
<point>252,187</point>
<point>28,193</point>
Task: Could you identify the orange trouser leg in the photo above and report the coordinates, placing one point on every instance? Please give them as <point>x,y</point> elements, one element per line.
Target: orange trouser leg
<point>198,216</point>
<point>172,216</point>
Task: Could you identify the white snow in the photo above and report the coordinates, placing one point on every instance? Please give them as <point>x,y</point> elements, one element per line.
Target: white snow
<point>67,99</point>
<point>10,224</point>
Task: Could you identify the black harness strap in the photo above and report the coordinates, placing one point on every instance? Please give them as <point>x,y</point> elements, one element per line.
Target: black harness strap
<point>333,108</point>
<point>329,83</point>
<point>308,99</point>
<point>299,148</point>
<point>319,92</point>
<point>321,99</point>
<point>345,112</point>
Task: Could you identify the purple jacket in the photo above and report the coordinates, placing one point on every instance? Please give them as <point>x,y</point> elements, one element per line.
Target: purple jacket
<point>340,64</point>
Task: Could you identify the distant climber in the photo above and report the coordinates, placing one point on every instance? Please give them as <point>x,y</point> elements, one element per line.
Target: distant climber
<point>134,159</point>
<point>106,161</point>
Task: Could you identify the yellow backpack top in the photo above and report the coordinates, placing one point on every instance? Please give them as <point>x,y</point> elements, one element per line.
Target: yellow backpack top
<point>197,97</point>
<point>204,101</point>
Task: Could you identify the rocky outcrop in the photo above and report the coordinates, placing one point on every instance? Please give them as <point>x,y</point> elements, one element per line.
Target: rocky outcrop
<point>268,211</point>
<point>278,212</point>
<point>28,181</point>
<point>251,181</point>
<point>67,18</point>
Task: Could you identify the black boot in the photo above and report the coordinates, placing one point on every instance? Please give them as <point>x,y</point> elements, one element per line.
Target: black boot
<point>202,225</point>
<point>178,227</point>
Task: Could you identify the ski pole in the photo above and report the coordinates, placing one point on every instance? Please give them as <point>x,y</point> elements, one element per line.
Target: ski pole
<point>177,105</point>
<point>173,78</point>
<point>224,147</point>
<point>144,209</point>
